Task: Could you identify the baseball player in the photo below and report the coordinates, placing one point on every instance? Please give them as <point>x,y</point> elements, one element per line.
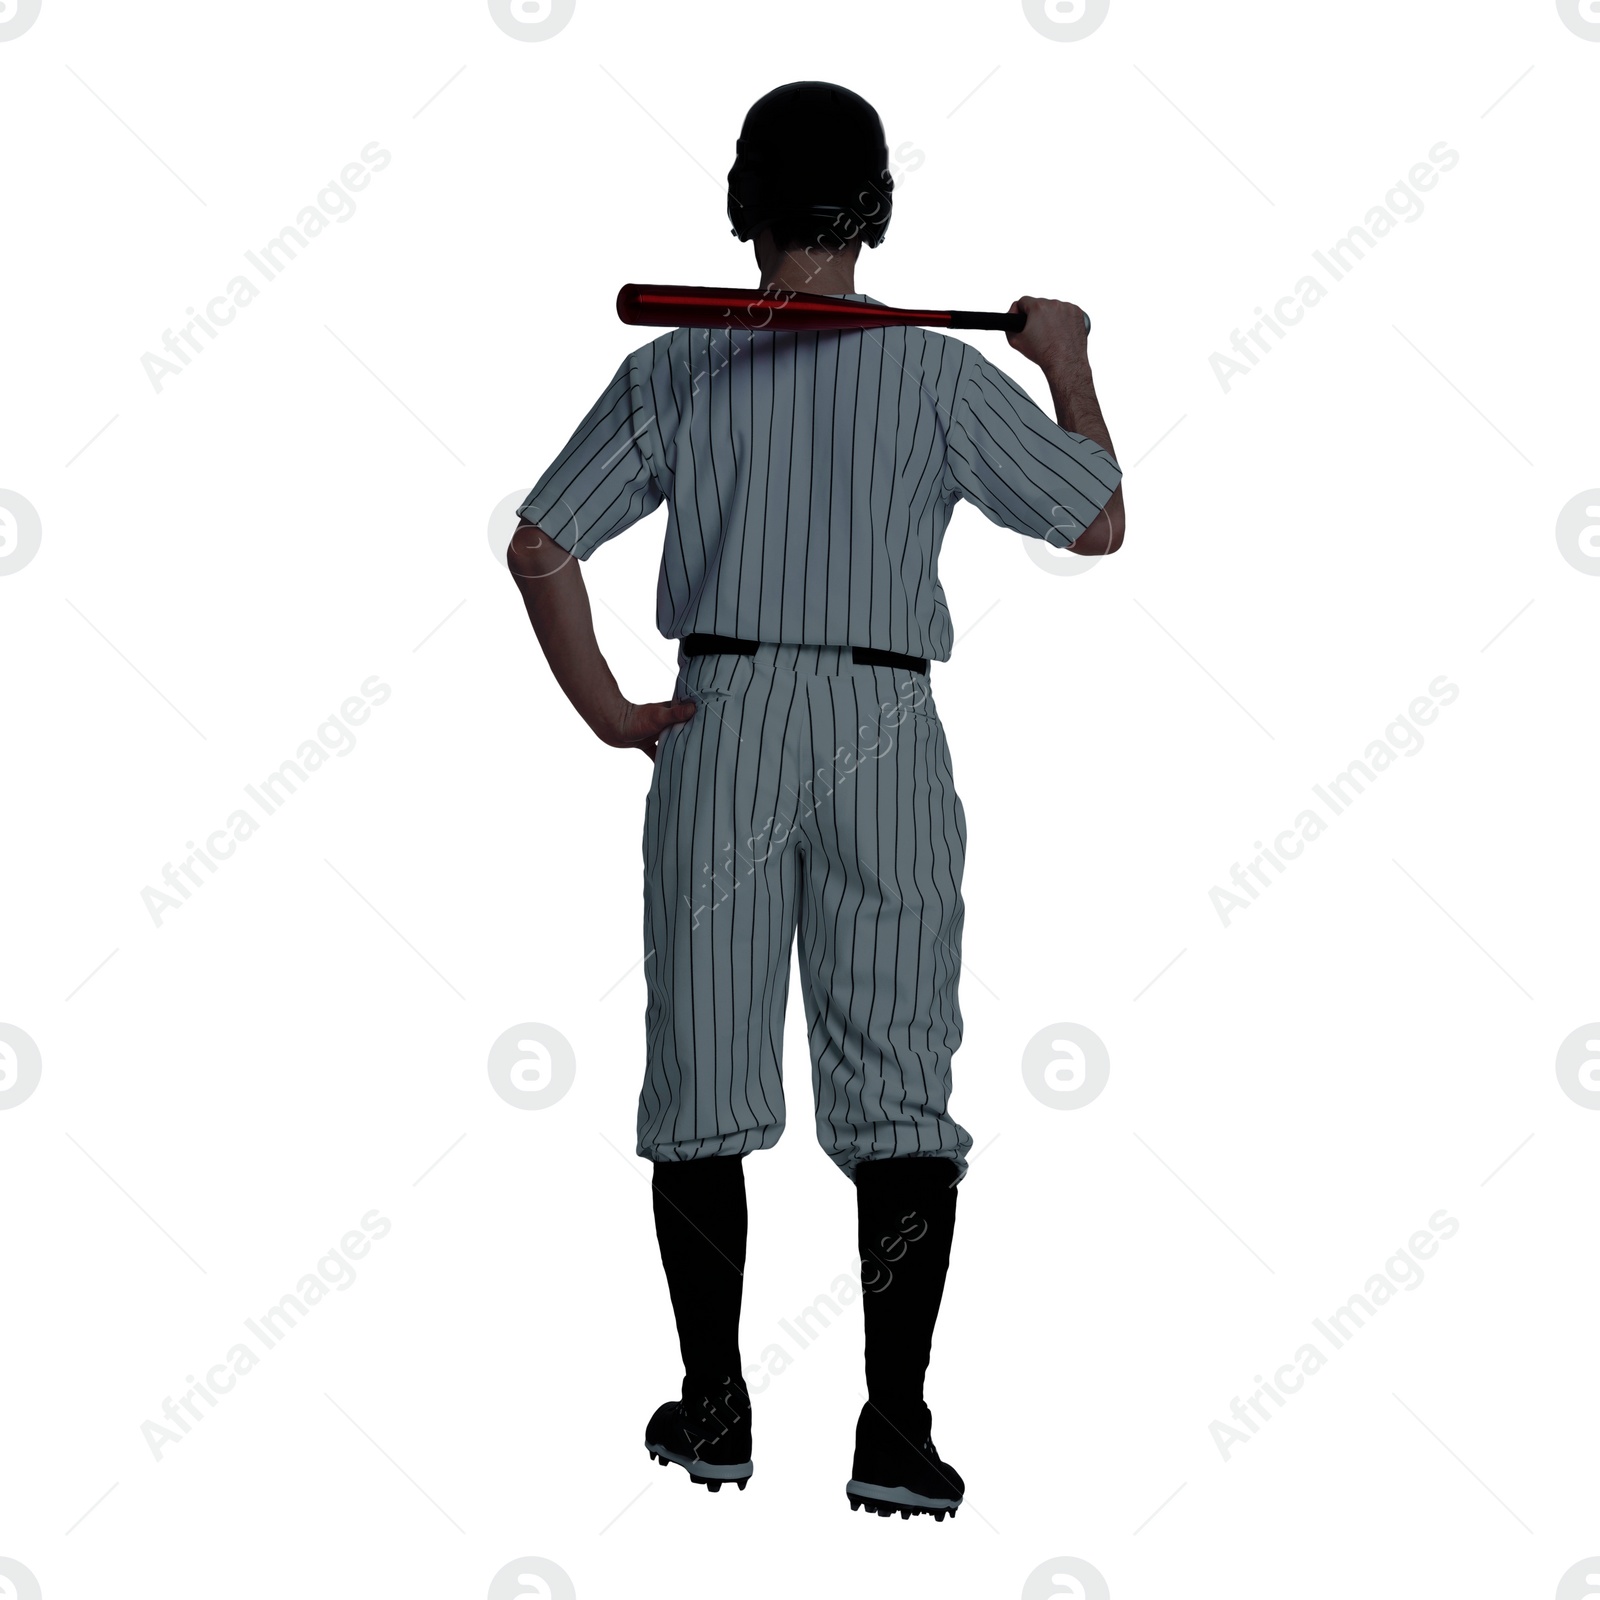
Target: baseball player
<point>802,780</point>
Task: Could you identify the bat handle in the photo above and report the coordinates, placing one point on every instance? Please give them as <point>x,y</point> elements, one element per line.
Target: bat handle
<point>998,321</point>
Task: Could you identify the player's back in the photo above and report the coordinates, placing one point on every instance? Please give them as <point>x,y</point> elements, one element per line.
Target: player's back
<point>809,478</point>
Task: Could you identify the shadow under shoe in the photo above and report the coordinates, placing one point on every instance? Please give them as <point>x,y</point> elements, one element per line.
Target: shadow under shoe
<point>897,1468</point>
<point>706,1432</point>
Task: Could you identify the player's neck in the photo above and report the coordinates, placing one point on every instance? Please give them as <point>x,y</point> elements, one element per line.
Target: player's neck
<point>817,273</point>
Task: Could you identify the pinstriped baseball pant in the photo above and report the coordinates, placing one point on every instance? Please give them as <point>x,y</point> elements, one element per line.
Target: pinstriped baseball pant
<point>807,794</point>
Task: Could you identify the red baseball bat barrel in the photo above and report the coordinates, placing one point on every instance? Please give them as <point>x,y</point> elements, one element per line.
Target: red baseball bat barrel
<point>679,305</point>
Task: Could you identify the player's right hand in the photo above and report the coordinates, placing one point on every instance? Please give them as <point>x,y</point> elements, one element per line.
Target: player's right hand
<point>641,726</point>
<point>1053,333</point>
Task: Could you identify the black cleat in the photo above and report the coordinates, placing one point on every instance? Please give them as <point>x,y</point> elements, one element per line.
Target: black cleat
<point>897,1468</point>
<point>708,1436</point>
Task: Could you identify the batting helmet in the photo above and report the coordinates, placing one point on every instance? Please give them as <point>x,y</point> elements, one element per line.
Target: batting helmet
<point>812,152</point>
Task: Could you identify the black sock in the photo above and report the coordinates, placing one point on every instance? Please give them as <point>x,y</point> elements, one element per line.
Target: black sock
<point>701,1222</point>
<point>906,1211</point>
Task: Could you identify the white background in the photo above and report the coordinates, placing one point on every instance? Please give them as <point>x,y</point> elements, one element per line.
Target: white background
<point>309,503</point>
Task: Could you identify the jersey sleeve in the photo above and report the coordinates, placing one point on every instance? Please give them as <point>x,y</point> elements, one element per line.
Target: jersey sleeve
<point>601,482</point>
<point>1017,465</point>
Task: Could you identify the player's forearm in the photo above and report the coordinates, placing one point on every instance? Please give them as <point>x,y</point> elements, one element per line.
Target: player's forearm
<point>1078,411</point>
<point>551,583</point>
<point>1077,406</point>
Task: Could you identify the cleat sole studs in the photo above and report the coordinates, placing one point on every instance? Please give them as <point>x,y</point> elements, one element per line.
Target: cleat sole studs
<point>887,1508</point>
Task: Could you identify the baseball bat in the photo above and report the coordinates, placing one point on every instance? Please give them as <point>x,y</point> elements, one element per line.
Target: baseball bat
<point>681,305</point>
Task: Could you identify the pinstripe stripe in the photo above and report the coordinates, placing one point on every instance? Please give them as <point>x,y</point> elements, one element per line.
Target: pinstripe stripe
<point>815,539</point>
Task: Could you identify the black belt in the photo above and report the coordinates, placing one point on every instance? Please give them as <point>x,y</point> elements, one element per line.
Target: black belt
<point>864,655</point>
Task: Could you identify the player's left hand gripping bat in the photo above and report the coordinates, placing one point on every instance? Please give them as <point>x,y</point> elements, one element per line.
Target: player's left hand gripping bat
<point>681,305</point>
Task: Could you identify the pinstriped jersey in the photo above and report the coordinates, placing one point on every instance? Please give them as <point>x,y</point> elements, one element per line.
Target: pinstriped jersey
<point>809,478</point>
